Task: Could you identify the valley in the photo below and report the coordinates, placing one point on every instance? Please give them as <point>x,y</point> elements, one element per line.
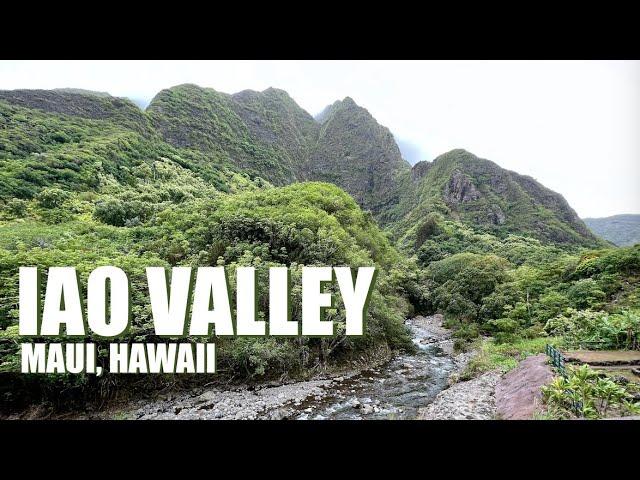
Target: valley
<point>202,178</point>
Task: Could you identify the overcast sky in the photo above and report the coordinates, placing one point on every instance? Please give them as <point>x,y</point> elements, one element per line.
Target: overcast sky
<point>574,126</point>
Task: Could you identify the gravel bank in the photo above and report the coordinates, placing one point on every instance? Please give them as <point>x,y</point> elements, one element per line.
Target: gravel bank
<point>470,400</point>
<point>239,404</point>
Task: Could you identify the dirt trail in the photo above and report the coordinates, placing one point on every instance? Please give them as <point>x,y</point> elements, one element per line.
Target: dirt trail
<point>518,393</point>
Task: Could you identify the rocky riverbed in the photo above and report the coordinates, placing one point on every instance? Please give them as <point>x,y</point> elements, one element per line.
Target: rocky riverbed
<point>419,385</point>
<point>470,400</point>
<point>395,390</point>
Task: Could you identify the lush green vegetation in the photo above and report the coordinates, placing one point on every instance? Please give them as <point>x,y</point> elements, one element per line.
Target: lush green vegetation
<point>205,121</point>
<point>508,297</point>
<point>88,181</point>
<point>598,330</point>
<point>303,224</point>
<point>515,286</point>
<point>95,191</point>
<point>585,393</point>
<point>462,187</point>
<point>503,356</point>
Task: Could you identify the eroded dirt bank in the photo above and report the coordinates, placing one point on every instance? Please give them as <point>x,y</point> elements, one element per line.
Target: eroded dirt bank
<point>518,393</point>
<point>515,395</point>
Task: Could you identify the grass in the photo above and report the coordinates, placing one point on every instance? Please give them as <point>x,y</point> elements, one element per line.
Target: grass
<point>503,356</point>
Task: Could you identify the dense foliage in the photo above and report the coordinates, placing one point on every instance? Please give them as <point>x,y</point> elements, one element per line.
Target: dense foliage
<point>511,287</point>
<point>585,393</point>
<point>462,187</point>
<point>89,180</point>
<point>93,190</point>
<point>304,224</point>
<point>598,330</point>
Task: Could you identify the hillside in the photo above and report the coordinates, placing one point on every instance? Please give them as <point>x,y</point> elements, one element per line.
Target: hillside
<point>87,179</point>
<point>86,143</point>
<point>80,103</point>
<point>621,230</point>
<point>461,187</point>
<point>267,136</point>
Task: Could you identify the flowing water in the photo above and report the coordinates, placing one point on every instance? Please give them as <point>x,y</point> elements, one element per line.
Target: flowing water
<point>395,390</point>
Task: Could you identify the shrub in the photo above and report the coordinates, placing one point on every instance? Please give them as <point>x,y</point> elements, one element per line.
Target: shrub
<point>467,332</point>
<point>586,393</point>
<point>462,282</point>
<point>504,329</point>
<point>586,293</point>
<point>426,230</point>
<point>598,330</point>
<point>121,213</point>
<point>52,197</point>
<point>17,207</point>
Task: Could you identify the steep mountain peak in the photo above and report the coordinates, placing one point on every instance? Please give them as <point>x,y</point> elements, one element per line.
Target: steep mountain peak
<point>460,156</point>
<point>223,128</point>
<point>346,104</point>
<point>82,91</point>
<point>277,92</point>
<point>276,120</point>
<point>270,98</point>
<point>420,169</point>
<point>357,153</point>
<point>188,115</point>
<point>479,192</point>
<point>270,92</point>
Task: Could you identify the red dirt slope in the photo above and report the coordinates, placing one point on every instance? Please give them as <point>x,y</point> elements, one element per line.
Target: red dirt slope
<point>518,394</point>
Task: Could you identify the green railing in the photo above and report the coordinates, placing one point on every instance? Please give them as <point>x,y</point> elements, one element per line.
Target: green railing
<point>558,361</point>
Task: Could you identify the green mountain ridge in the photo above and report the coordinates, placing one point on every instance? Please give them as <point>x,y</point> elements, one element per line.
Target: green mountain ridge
<point>462,187</point>
<point>267,135</point>
<point>622,230</point>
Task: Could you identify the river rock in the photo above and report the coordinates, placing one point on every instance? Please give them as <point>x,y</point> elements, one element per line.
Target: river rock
<point>272,400</point>
<point>208,396</point>
<point>366,409</point>
<point>470,400</point>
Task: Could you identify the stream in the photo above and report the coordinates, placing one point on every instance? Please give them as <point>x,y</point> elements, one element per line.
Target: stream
<point>395,390</point>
